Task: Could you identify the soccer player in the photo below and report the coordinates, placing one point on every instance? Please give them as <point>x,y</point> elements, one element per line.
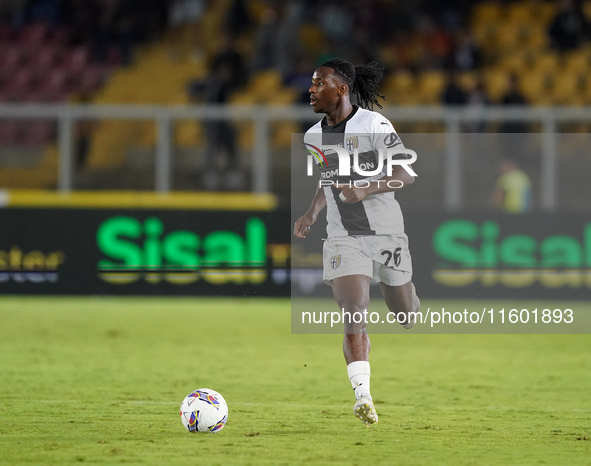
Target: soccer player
<point>365,231</point>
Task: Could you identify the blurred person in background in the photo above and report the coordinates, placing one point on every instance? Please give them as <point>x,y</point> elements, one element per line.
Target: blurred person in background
<point>514,97</point>
<point>116,31</point>
<point>276,45</point>
<point>453,94</point>
<point>226,76</point>
<point>238,18</point>
<point>466,54</point>
<point>300,81</point>
<point>184,18</point>
<point>435,42</point>
<point>229,56</point>
<point>477,100</point>
<point>82,17</point>
<point>570,27</point>
<point>512,193</point>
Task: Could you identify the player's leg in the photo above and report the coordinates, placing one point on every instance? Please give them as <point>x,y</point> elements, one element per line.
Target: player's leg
<point>352,295</point>
<point>403,300</point>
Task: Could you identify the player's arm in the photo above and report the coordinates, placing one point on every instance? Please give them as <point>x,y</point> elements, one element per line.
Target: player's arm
<point>304,223</point>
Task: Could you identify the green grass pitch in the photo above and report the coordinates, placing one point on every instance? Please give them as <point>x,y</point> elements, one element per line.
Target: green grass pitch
<point>100,380</point>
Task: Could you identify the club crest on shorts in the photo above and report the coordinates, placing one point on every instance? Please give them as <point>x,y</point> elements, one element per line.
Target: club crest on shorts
<point>335,261</point>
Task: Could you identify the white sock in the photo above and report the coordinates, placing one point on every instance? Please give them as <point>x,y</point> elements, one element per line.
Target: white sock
<point>359,373</point>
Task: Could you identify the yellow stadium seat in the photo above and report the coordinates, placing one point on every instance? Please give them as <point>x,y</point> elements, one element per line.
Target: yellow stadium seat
<point>109,144</point>
<point>188,133</point>
<point>412,98</point>
<point>507,36</point>
<point>537,86</point>
<point>431,84</point>
<point>519,12</point>
<point>285,96</point>
<point>245,128</point>
<point>265,82</point>
<point>573,100</point>
<point>577,61</point>
<point>311,37</point>
<point>545,12</point>
<point>426,99</point>
<point>42,176</point>
<point>146,133</point>
<point>536,36</point>
<point>586,92</point>
<point>242,98</point>
<point>281,135</point>
<point>568,88</point>
<point>256,8</point>
<point>486,35</point>
<point>245,136</point>
<point>513,62</point>
<point>467,80</point>
<point>487,12</point>
<point>401,81</point>
<point>401,89</point>
<point>496,82</point>
<point>546,62</point>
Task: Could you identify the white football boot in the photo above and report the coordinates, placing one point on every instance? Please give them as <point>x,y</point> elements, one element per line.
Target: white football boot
<point>365,410</point>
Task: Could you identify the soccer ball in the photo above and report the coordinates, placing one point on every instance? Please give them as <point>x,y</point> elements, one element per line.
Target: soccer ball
<point>204,410</point>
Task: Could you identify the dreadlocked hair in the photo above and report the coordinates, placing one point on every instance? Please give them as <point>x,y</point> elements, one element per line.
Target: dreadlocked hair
<point>363,81</point>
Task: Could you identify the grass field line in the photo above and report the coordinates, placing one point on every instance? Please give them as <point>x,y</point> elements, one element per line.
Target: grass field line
<point>334,405</point>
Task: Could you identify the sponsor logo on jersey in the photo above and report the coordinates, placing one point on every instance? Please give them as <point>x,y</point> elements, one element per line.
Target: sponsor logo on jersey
<point>317,153</point>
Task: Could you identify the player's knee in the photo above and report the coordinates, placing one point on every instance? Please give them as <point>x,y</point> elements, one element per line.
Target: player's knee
<point>352,331</point>
<point>354,323</point>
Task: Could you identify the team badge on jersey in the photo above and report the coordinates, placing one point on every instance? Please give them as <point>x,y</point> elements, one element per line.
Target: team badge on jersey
<point>335,261</point>
<point>352,143</point>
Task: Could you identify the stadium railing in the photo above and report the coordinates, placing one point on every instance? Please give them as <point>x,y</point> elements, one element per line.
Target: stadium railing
<point>262,116</point>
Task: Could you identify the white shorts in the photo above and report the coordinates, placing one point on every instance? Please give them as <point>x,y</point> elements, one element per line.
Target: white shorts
<point>384,258</point>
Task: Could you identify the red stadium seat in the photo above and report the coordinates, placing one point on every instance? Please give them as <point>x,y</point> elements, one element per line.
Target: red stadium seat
<point>91,79</point>
<point>54,82</point>
<point>114,56</point>
<point>34,34</point>
<point>5,32</point>
<point>58,37</point>
<point>7,96</point>
<point>11,58</point>
<point>20,83</point>
<point>59,98</point>
<point>42,59</point>
<point>33,97</point>
<point>75,59</point>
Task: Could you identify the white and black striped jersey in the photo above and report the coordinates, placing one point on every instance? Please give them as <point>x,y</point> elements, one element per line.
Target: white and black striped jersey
<point>367,131</point>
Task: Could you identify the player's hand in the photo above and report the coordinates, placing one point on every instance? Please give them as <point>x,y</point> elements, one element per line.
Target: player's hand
<point>351,195</point>
<point>303,225</point>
